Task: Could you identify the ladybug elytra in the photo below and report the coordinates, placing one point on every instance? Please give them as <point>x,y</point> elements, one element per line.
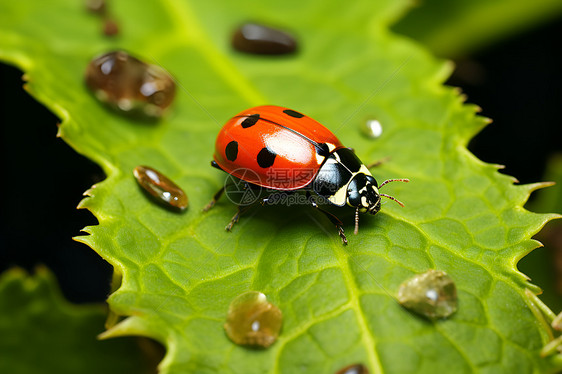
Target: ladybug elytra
<point>287,151</point>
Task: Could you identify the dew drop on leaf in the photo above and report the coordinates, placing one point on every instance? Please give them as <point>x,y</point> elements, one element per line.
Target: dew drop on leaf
<point>354,369</point>
<point>161,187</point>
<point>110,27</point>
<point>371,128</point>
<point>130,85</point>
<point>432,294</point>
<point>252,320</point>
<point>96,6</point>
<point>260,39</point>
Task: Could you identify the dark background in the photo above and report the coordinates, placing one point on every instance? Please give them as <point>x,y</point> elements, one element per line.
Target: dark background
<point>517,83</point>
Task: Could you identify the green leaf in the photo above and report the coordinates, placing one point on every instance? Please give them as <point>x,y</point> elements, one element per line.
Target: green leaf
<point>457,28</point>
<point>180,271</point>
<point>43,333</point>
<point>542,265</point>
<point>550,199</point>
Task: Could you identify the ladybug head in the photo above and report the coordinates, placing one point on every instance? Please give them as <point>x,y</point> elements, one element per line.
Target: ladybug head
<point>363,194</point>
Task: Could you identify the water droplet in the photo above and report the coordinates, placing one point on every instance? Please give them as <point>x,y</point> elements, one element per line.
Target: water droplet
<point>130,85</point>
<point>96,6</point>
<point>260,39</point>
<point>161,187</point>
<point>110,27</point>
<point>252,320</point>
<point>372,128</point>
<point>432,294</point>
<point>354,369</point>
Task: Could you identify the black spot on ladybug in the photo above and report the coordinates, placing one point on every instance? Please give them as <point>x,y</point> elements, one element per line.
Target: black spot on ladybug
<point>250,120</point>
<point>323,150</point>
<point>231,150</point>
<point>292,113</point>
<point>266,158</point>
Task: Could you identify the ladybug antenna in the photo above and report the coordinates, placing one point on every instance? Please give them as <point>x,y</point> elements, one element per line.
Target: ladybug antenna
<point>356,231</point>
<point>393,199</point>
<point>394,180</point>
<point>390,197</point>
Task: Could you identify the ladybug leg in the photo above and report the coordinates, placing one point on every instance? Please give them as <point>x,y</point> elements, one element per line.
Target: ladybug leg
<point>270,199</point>
<point>266,200</point>
<point>335,220</point>
<point>216,197</point>
<point>236,217</point>
<point>275,198</point>
<point>379,162</point>
<point>215,165</point>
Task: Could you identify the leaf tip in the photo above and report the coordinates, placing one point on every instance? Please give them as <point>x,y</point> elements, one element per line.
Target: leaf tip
<point>532,187</point>
<point>127,327</point>
<point>84,203</point>
<point>84,239</point>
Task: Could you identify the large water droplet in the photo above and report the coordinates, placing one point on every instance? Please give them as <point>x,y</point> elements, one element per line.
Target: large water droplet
<point>354,369</point>
<point>260,39</point>
<point>130,85</point>
<point>161,187</point>
<point>252,320</point>
<point>371,128</point>
<point>432,294</point>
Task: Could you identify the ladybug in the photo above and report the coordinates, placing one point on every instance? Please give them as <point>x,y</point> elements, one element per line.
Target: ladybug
<point>285,151</point>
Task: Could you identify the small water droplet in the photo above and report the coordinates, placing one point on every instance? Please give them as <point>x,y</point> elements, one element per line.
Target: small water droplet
<point>354,369</point>
<point>130,85</point>
<point>252,320</point>
<point>432,294</point>
<point>161,187</point>
<point>372,128</point>
<point>259,39</point>
<point>110,27</point>
<point>96,6</point>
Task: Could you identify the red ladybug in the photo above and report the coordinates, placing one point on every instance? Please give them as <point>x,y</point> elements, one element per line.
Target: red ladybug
<point>288,151</point>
